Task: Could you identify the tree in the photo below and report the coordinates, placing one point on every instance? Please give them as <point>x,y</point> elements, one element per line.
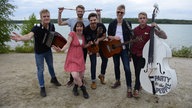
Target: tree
<point>6,24</point>
<point>27,26</point>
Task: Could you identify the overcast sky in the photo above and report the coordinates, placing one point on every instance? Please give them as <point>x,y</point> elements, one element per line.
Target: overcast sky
<point>168,9</point>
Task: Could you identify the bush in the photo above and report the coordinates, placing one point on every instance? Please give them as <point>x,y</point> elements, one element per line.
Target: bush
<point>185,52</point>
<point>5,49</point>
<point>24,49</point>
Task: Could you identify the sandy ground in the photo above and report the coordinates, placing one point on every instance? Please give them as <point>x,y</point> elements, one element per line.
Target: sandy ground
<point>19,87</point>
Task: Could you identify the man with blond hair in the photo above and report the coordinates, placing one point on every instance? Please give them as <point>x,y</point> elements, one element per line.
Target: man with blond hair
<point>120,29</point>
<point>42,51</point>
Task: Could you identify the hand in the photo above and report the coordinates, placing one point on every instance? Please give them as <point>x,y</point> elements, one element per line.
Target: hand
<point>97,42</point>
<point>57,49</point>
<point>110,37</point>
<point>153,24</point>
<point>15,37</point>
<point>98,11</point>
<point>117,38</point>
<point>139,38</point>
<point>90,43</point>
<point>106,39</point>
<point>60,10</point>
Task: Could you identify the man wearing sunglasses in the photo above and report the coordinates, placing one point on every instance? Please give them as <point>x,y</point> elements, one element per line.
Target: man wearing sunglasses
<point>120,29</point>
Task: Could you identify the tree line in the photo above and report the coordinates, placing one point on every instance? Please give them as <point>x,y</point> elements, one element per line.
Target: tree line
<point>133,20</point>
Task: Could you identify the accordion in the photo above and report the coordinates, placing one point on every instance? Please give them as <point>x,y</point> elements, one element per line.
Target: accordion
<point>54,38</point>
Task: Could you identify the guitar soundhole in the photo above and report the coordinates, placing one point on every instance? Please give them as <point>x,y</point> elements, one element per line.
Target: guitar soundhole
<point>113,46</point>
<point>93,45</point>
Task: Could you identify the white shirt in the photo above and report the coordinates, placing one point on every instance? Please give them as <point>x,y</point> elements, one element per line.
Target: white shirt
<point>119,33</point>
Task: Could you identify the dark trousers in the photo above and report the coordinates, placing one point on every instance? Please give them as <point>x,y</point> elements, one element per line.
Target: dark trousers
<point>93,59</point>
<point>139,63</point>
<point>126,65</point>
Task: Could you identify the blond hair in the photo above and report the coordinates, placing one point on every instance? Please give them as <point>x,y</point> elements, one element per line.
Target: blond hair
<point>142,13</point>
<point>122,6</point>
<point>43,11</point>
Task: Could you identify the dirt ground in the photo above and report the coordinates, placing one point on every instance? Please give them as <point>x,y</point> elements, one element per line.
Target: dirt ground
<point>19,86</point>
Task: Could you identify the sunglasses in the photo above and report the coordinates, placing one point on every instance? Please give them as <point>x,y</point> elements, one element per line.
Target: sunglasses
<point>46,16</point>
<point>119,12</point>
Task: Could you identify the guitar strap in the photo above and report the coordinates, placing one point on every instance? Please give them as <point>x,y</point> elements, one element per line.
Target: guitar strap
<point>51,27</point>
<point>47,34</point>
<point>130,29</point>
<point>132,35</point>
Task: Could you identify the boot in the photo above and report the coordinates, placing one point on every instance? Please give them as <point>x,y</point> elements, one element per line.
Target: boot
<point>75,90</point>
<point>85,94</point>
<point>43,92</point>
<point>102,79</point>
<point>55,81</point>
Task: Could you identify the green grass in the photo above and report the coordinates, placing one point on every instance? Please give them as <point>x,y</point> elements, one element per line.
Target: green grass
<point>24,49</point>
<point>185,52</point>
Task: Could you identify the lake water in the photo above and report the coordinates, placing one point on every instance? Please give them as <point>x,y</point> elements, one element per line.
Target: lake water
<point>178,34</point>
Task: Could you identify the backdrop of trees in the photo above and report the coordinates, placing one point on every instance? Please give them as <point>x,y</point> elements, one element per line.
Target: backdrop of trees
<point>133,20</point>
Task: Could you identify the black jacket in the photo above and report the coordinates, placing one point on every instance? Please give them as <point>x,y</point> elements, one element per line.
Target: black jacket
<point>126,32</point>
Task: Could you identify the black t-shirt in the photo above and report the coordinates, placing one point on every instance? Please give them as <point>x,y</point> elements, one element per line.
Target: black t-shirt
<point>91,35</point>
<point>39,34</point>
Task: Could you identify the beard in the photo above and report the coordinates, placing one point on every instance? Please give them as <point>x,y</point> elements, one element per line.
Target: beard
<point>80,15</point>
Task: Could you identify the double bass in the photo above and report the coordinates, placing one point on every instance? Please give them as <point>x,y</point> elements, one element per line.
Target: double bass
<point>156,77</point>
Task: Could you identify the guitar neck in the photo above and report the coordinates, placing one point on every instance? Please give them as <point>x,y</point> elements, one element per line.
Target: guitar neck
<point>125,43</point>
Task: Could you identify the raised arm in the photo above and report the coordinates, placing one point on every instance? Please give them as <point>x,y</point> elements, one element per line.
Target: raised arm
<point>59,20</point>
<point>18,37</point>
<point>98,11</point>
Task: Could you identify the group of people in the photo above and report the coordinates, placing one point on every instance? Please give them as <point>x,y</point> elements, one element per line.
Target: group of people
<point>87,33</point>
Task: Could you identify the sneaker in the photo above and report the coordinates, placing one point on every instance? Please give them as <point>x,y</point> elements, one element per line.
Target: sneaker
<point>43,92</point>
<point>55,81</point>
<point>116,84</point>
<point>102,78</point>
<point>136,93</point>
<point>129,93</point>
<point>93,85</point>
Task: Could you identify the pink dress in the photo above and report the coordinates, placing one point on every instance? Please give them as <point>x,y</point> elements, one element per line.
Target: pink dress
<point>75,59</point>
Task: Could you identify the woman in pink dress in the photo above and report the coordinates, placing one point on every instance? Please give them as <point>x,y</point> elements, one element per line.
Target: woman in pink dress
<point>74,62</point>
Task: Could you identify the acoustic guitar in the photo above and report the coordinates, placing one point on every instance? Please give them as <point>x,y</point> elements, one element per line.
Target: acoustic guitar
<point>95,48</point>
<point>112,47</point>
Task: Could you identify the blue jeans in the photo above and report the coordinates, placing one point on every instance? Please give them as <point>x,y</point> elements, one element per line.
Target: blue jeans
<point>40,65</point>
<point>93,59</point>
<point>125,59</point>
